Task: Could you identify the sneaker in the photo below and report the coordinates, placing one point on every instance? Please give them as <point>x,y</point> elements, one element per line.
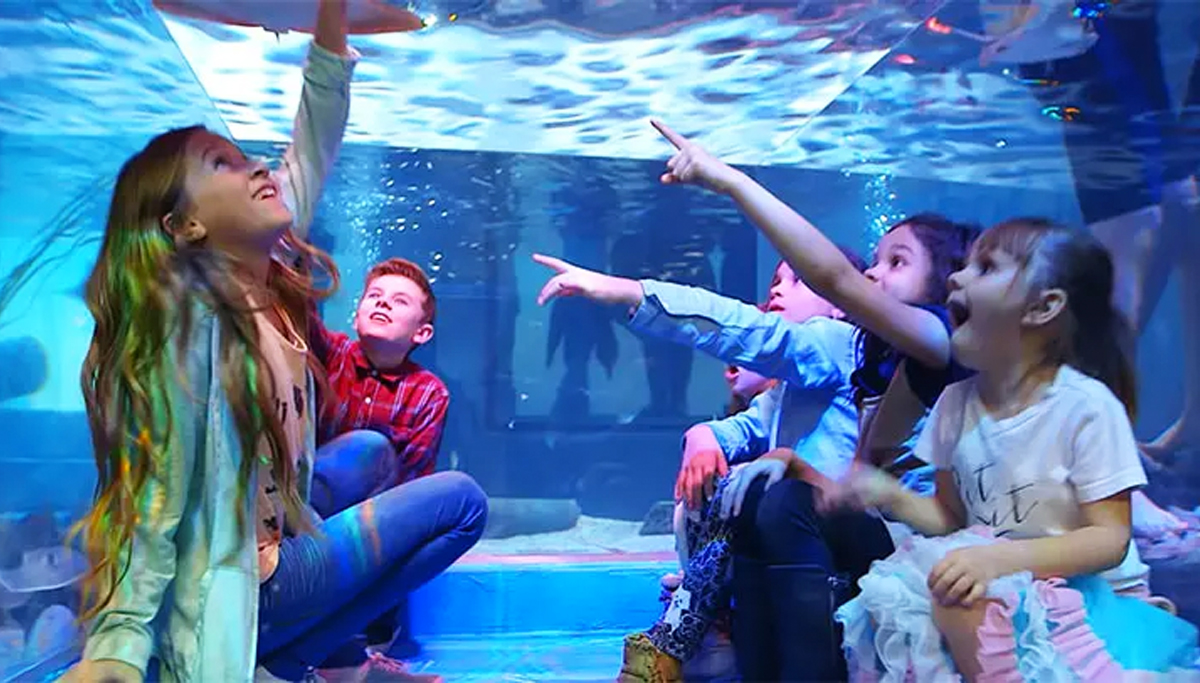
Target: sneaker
<point>645,663</point>
<point>377,669</point>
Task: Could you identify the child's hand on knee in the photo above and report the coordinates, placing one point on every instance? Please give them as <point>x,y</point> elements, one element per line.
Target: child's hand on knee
<point>963,575</point>
<point>742,476</point>
<point>571,280</point>
<point>698,477</point>
<point>703,464</point>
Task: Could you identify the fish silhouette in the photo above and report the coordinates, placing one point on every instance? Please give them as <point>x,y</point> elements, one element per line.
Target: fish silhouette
<point>582,328</point>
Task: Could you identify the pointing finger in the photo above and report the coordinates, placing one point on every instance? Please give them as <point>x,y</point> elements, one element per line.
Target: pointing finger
<point>674,138</point>
<point>556,264</point>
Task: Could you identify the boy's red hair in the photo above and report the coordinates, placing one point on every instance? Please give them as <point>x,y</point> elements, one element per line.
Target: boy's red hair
<point>410,271</point>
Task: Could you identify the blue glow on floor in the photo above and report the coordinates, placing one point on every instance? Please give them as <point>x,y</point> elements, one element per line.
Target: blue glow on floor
<point>523,657</point>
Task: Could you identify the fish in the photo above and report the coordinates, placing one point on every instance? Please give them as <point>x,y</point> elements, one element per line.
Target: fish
<point>362,16</point>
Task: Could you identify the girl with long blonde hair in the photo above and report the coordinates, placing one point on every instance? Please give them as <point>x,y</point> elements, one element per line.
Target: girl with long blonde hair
<point>199,387</point>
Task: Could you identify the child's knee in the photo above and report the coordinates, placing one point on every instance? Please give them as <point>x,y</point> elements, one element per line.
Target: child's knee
<point>780,509</point>
<point>356,449</point>
<point>472,499</point>
<point>958,618</point>
<point>370,442</point>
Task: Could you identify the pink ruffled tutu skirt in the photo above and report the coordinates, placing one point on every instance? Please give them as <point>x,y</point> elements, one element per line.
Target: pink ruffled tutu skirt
<point>1045,631</point>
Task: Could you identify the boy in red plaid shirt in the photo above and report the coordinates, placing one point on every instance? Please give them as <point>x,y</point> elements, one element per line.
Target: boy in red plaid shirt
<point>382,425</point>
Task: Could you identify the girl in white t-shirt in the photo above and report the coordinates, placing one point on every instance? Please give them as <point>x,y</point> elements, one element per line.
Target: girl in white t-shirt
<point>1022,568</point>
<point>1134,152</point>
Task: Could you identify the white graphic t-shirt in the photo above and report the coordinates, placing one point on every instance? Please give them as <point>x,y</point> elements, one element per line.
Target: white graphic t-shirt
<point>1026,476</point>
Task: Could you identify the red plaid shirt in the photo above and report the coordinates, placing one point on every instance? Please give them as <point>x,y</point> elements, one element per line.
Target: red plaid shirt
<point>407,405</point>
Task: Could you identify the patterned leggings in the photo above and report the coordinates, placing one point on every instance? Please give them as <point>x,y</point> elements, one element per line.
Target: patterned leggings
<point>780,527</point>
<point>694,605</point>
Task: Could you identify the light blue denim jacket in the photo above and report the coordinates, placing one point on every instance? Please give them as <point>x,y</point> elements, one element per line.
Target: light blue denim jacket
<point>813,359</point>
<point>190,596</point>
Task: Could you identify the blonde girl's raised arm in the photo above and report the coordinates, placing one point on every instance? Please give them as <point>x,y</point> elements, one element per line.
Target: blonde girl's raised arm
<point>936,515</point>
<point>944,512</point>
<point>321,118</point>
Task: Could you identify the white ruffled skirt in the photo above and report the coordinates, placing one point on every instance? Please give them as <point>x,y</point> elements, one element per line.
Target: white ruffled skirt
<point>1034,630</point>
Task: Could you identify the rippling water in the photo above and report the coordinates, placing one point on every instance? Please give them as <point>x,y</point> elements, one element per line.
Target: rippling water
<point>757,88</point>
<point>853,85</point>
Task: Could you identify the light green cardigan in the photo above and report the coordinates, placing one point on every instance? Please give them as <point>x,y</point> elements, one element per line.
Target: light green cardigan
<point>190,596</point>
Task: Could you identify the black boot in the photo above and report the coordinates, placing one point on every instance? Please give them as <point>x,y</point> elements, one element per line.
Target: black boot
<point>753,628</point>
<point>804,598</point>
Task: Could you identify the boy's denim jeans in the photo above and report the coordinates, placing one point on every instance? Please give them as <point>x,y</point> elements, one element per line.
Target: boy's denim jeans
<point>351,468</point>
<point>362,561</point>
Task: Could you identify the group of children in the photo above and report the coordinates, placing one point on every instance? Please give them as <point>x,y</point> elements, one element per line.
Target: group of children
<point>935,479</point>
<point>941,486</point>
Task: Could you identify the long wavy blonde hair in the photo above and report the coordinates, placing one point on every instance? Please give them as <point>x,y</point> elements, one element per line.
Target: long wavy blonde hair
<point>142,293</point>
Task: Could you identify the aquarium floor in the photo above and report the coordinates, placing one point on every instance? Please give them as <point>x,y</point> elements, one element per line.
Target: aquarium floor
<point>548,617</point>
<point>523,657</point>
<point>510,658</point>
<point>553,617</point>
<point>591,535</point>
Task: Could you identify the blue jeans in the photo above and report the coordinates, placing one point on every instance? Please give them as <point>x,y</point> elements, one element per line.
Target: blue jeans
<point>351,468</point>
<point>360,563</point>
<point>792,568</point>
